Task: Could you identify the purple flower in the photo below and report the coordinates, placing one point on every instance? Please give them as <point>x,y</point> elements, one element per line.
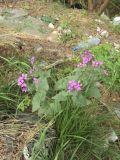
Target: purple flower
<point>81,65</point>
<point>73,85</point>
<point>96,64</point>
<point>24,89</point>
<point>86,57</point>
<point>32,60</point>
<point>21,82</point>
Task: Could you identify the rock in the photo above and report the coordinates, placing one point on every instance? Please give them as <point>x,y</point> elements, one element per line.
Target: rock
<point>98,29</point>
<point>51,26</point>
<point>116,21</point>
<point>44,150</point>
<point>55,32</point>
<point>59,29</point>
<point>117,46</point>
<point>104,34</point>
<point>50,39</point>
<point>89,43</point>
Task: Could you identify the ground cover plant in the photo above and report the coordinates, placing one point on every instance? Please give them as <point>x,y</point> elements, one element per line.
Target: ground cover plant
<point>72,101</point>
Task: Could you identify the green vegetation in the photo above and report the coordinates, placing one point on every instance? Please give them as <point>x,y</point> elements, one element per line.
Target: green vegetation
<point>70,99</point>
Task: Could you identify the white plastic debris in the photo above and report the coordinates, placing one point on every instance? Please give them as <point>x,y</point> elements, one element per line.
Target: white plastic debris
<point>104,34</point>
<point>51,26</point>
<point>116,21</point>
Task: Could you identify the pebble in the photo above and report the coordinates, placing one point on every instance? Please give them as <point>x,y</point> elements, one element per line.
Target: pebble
<point>104,34</point>
<point>116,21</point>
<point>117,46</point>
<point>51,26</point>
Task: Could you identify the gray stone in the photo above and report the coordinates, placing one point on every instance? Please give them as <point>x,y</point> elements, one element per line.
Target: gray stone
<point>89,43</point>
<point>116,21</point>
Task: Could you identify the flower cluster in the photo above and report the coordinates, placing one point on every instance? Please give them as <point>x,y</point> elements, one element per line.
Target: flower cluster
<point>21,82</point>
<point>86,57</point>
<point>96,64</point>
<point>73,85</point>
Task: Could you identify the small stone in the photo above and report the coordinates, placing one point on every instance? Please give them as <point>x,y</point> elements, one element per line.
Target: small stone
<point>50,39</point>
<point>59,28</point>
<point>117,46</point>
<point>116,21</point>
<point>51,26</point>
<point>104,34</point>
<point>98,29</point>
<point>55,32</point>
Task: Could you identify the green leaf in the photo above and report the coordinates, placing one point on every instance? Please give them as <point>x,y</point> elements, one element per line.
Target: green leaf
<point>45,74</point>
<point>43,85</point>
<point>62,96</point>
<point>37,99</point>
<point>54,108</point>
<point>94,92</point>
<point>79,100</point>
<point>61,84</point>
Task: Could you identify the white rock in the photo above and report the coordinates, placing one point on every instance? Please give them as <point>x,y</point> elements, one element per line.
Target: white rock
<point>104,34</point>
<point>51,26</point>
<point>98,29</point>
<point>55,32</point>
<point>50,39</point>
<point>90,36</point>
<point>117,46</point>
<point>59,28</point>
<point>116,21</point>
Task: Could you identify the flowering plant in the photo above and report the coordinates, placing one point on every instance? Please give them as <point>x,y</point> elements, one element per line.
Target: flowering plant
<point>79,87</point>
